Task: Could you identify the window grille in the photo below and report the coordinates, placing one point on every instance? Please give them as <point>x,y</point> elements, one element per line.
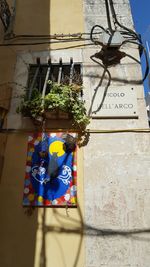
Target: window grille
<point>64,73</point>
<point>5,13</point>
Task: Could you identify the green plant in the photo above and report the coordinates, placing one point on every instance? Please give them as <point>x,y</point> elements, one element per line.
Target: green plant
<point>31,108</point>
<point>61,97</point>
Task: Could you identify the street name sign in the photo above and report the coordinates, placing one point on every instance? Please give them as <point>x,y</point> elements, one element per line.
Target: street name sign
<point>115,102</point>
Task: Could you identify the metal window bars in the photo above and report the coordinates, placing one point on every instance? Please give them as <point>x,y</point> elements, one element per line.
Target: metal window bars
<point>5,14</point>
<point>46,80</point>
<point>65,73</point>
<point>34,78</point>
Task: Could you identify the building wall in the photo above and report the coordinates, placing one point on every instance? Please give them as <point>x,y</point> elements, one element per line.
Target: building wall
<point>49,237</point>
<point>116,164</point>
<point>113,168</point>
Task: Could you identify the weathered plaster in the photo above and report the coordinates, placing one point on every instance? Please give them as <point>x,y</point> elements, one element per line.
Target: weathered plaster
<point>50,237</point>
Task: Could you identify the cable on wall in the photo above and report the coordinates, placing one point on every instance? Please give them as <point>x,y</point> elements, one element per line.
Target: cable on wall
<point>94,131</point>
<point>118,23</point>
<point>112,40</point>
<point>108,17</point>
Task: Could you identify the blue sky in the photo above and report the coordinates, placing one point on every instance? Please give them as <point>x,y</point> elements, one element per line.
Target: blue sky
<point>141,16</point>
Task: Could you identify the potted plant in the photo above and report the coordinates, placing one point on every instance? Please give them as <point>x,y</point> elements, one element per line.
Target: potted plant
<point>62,101</point>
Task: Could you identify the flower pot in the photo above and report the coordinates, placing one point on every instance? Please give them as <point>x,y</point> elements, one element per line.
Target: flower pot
<point>56,114</point>
<point>52,114</point>
<point>63,115</point>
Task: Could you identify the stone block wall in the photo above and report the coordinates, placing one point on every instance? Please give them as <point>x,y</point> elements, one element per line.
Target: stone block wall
<point>116,164</point>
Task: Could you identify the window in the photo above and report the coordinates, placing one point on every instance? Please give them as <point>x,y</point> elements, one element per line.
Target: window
<point>64,73</point>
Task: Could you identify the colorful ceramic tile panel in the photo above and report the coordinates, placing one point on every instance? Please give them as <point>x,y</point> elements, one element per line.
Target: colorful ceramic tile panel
<point>51,170</point>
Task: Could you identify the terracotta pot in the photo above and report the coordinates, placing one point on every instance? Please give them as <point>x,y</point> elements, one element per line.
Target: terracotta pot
<point>63,115</point>
<point>53,114</point>
<point>57,114</point>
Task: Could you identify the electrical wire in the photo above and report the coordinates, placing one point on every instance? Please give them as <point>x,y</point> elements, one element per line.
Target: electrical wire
<point>48,42</point>
<point>128,31</point>
<point>75,37</point>
<point>50,36</point>
<point>129,35</point>
<point>92,33</point>
<point>108,17</point>
<point>118,23</point>
<point>94,131</point>
<point>138,130</point>
<point>38,36</point>
<point>133,34</point>
<point>136,60</point>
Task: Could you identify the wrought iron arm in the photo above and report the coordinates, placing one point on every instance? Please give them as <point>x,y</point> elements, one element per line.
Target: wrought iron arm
<point>5,13</point>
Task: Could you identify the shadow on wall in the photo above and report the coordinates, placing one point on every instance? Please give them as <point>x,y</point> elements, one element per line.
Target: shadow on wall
<point>33,17</point>
<point>71,227</point>
<point>18,231</point>
<point>23,236</point>
<point>64,225</point>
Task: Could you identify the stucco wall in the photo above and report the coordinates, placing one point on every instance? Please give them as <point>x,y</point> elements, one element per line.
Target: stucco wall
<point>49,237</point>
